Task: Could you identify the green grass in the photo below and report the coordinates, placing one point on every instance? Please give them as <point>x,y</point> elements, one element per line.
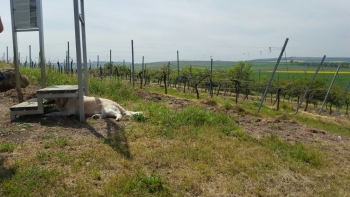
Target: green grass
<point>6,147</point>
<point>190,151</point>
<point>31,182</point>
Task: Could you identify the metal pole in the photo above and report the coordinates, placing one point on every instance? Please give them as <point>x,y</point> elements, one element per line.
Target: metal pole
<point>178,71</point>
<point>211,77</point>
<point>42,49</point>
<point>132,65</point>
<point>30,55</point>
<point>79,67</point>
<point>273,73</point>
<point>341,104</point>
<point>329,89</point>
<point>83,34</point>
<point>15,54</point>
<point>143,71</point>
<point>7,53</point>
<point>312,80</point>
<point>110,63</point>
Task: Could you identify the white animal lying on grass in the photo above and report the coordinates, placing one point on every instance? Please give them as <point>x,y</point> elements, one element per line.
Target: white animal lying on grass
<point>93,106</point>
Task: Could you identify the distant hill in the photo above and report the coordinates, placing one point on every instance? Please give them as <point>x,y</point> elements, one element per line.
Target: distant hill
<point>306,59</point>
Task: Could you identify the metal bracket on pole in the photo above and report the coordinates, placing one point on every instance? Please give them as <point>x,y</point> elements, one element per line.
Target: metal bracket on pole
<point>329,89</point>
<point>273,73</point>
<point>312,80</point>
<point>81,19</point>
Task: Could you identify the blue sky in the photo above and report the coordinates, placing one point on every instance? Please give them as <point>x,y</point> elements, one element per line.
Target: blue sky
<point>200,29</point>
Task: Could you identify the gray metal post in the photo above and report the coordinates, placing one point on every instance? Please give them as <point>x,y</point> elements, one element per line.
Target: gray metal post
<point>79,67</point>
<point>132,65</point>
<point>329,89</point>
<point>30,55</point>
<point>343,99</point>
<point>143,67</point>
<point>110,63</point>
<point>42,50</point>
<point>273,73</point>
<point>7,54</point>
<point>15,54</point>
<point>211,77</point>
<point>178,71</point>
<point>83,34</point>
<point>312,80</point>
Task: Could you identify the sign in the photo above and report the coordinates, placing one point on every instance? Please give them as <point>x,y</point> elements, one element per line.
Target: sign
<point>25,14</point>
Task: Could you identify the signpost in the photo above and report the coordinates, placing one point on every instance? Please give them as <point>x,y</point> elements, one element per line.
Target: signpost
<point>27,16</point>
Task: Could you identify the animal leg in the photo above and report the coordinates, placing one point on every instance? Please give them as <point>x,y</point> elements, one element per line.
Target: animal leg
<point>130,113</point>
<point>112,111</point>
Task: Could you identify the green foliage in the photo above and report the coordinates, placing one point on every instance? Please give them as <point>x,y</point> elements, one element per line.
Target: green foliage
<point>153,183</point>
<point>240,71</point>
<point>139,118</point>
<point>6,147</point>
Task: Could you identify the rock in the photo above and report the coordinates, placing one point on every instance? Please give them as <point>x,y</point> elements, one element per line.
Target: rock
<point>9,82</point>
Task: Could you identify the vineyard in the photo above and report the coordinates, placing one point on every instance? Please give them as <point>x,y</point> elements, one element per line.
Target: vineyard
<point>243,79</point>
<point>183,146</point>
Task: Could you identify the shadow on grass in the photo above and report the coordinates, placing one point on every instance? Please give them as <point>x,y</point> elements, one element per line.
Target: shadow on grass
<point>115,135</point>
<point>6,173</point>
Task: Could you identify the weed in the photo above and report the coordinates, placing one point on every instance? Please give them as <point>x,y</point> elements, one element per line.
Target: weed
<point>49,134</point>
<point>23,124</point>
<point>43,157</point>
<point>139,118</point>
<point>153,183</point>
<point>59,142</point>
<point>6,147</point>
<point>227,106</point>
<point>96,175</point>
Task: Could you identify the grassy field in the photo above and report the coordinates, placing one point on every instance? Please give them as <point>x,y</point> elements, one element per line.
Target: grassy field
<point>189,151</point>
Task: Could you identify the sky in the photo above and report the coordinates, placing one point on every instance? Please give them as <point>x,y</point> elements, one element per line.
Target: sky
<point>225,30</point>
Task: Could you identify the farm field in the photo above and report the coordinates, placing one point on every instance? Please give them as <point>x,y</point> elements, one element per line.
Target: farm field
<point>182,147</point>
